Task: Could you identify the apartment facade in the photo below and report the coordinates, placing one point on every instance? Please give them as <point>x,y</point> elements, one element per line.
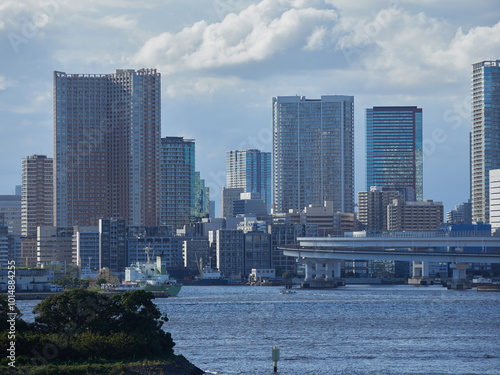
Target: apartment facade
<point>485,134</point>
<point>414,216</point>
<point>313,152</point>
<point>37,194</point>
<point>107,147</point>
<point>372,207</point>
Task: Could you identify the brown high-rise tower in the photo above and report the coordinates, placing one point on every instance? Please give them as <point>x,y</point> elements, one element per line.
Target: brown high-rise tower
<point>107,147</point>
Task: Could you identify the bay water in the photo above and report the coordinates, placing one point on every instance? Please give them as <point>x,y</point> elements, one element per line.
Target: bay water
<point>349,330</point>
<point>357,329</point>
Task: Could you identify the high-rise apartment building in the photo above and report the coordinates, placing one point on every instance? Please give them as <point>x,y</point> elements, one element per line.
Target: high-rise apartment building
<point>178,191</point>
<point>107,147</point>
<point>394,150</point>
<point>251,171</point>
<point>485,136</point>
<point>372,206</point>
<point>313,152</point>
<point>37,194</point>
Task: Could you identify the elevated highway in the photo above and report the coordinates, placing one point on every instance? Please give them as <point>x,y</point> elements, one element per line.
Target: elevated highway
<point>323,256</point>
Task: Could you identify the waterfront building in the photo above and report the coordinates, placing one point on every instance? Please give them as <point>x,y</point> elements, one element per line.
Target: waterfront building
<point>28,256</point>
<point>10,208</point>
<point>107,147</point>
<point>229,248</point>
<point>372,206</point>
<point>485,134</point>
<point>178,193</point>
<point>86,248</point>
<point>196,250</point>
<point>28,280</point>
<point>426,215</point>
<point>283,234</point>
<point>328,221</point>
<point>313,152</point>
<point>4,245</point>
<point>158,241</point>
<point>54,245</point>
<point>257,253</point>
<point>37,194</point>
<point>112,245</point>
<point>494,193</point>
<point>229,195</point>
<point>251,171</point>
<point>394,150</point>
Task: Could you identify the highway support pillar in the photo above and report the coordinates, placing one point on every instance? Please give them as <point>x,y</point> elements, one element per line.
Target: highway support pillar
<point>459,280</point>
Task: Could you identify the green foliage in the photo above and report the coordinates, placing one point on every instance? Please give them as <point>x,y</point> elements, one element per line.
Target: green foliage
<point>100,281</point>
<point>20,325</point>
<point>85,325</point>
<point>69,282</point>
<point>75,311</point>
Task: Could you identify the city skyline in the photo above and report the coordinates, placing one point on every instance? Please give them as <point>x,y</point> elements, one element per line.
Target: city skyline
<point>220,72</point>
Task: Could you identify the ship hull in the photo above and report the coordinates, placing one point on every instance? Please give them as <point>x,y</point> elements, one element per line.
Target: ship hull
<point>171,290</point>
<point>206,282</point>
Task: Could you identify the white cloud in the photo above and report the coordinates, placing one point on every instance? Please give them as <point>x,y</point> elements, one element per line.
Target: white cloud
<point>4,83</point>
<point>256,33</point>
<point>413,50</point>
<point>316,39</point>
<point>123,21</point>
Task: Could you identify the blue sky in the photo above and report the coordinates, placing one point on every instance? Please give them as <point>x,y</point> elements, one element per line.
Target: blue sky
<point>223,60</point>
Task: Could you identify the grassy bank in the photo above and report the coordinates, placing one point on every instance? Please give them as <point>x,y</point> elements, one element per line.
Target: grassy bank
<point>177,365</point>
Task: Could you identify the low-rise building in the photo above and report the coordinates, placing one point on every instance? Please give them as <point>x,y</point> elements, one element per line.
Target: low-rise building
<point>414,216</point>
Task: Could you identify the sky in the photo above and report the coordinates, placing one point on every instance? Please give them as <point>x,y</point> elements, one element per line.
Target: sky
<point>222,61</point>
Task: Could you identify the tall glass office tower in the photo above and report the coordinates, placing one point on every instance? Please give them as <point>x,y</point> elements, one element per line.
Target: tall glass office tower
<point>394,150</point>
<point>485,135</point>
<point>251,171</point>
<point>107,147</point>
<point>313,152</point>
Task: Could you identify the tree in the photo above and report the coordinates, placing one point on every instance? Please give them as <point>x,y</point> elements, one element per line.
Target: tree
<point>69,282</point>
<point>80,311</point>
<point>5,309</point>
<point>100,281</point>
<point>77,310</point>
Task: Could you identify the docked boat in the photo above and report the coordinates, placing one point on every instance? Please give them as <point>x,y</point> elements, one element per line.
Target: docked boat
<point>489,288</point>
<point>207,276</point>
<point>483,281</point>
<point>149,276</point>
<point>152,276</point>
<point>287,291</point>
